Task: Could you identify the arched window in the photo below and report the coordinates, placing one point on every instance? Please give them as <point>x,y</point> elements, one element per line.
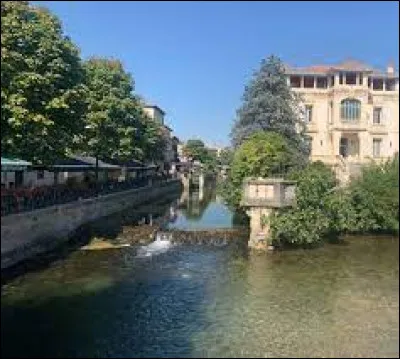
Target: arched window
<point>350,110</point>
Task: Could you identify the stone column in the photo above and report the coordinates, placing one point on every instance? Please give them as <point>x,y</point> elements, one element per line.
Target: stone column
<point>258,232</point>
<point>302,81</point>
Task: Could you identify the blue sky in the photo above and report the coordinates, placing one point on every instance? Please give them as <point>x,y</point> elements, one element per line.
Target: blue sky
<point>193,59</point>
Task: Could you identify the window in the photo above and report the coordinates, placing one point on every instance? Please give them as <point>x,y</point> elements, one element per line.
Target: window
<point>360,79</point>
<point>332,81</point>
<point>295,81</point>
<point>341,79</point>
<point>376,147</point>
<point>344,146</point>
<point>351,78</point>
<point>377,84</point>
<point>308,81</point>
<point>308,114</point>
<point>40,174</point>
<point>350,110</point>
<point>390,84</point>
<point>309,140</point>
<point>377,116</point>
<point>322,82</point>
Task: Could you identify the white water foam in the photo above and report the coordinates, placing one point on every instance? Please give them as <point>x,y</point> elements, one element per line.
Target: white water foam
<point>160,245</point>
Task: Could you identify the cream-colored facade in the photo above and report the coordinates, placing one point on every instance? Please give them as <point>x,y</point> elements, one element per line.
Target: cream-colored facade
<point>351,112</point>
<point>157,114</point>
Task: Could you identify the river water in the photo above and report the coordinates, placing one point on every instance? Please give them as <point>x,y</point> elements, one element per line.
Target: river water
<point>204,301</point>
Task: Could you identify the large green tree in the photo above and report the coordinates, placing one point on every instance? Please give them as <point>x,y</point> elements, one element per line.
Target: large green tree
<point>42,91</point>
<point>270,105</point>
<point>111,120</point>
<point>263,154</point>
<point>195,149</point>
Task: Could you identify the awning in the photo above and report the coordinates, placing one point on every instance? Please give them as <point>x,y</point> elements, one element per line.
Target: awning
<point>81,164</point>
<point>13,164</point>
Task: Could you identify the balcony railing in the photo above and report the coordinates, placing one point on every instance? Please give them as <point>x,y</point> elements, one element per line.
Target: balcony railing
<point>23,200</point>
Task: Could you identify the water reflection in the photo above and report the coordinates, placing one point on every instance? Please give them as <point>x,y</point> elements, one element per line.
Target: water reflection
<point>200,208</point>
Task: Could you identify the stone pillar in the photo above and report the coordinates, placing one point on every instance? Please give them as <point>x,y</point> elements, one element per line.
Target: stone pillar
<point>258,232</point>
<point>336,140</point>
<point>302,81</point>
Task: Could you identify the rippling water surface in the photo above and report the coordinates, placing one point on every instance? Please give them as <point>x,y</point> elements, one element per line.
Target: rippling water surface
<point>203,301</point>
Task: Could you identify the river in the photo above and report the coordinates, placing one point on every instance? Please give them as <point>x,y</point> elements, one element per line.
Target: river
<point>204,301</point>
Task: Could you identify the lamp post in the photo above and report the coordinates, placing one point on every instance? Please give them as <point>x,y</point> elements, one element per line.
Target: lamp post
<point>89,127</point>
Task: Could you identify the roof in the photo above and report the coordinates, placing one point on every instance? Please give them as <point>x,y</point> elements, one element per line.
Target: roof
<point>156,107</point>
<point>346,65</point>
<point>13,164</point>
<point>130,164</point>
<point>82,162</point>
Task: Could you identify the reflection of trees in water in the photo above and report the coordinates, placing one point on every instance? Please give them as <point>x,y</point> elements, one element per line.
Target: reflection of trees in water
<point>193,204</point>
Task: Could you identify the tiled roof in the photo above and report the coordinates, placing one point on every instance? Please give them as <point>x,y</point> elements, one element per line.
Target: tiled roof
<point>347,65</point>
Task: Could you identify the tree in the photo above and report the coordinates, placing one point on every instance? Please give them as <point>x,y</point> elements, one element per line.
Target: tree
<point>42,91</point>
<point>152,141</point>
<point>270,105</point>
<point>225,157</point>
<point>195,149</point>
<point>111,121</point>
<point>264,154</point>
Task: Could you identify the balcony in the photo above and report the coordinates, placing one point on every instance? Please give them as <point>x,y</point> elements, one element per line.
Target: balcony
<point>352,126</point>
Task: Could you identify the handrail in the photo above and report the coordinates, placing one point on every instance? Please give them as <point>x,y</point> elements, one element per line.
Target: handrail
<point>25,200</point>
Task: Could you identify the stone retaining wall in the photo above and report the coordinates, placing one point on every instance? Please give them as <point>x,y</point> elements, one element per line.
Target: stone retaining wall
<point>26,234</point>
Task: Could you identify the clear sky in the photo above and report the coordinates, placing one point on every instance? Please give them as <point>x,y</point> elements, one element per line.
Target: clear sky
<point>193,59</point>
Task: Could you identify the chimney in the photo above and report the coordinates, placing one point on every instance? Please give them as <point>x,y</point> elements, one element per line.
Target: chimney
<point>390,68</point>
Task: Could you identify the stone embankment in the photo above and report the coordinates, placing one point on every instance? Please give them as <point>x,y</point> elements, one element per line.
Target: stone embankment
<point>25,235</point>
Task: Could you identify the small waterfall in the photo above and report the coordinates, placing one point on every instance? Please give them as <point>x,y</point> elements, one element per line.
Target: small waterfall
<point>160,245</point>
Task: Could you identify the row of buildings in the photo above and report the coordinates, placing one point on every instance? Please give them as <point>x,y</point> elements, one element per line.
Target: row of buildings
<point>351,112</point>
<point>17,173</point>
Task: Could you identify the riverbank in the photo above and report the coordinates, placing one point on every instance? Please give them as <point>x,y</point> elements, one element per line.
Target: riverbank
<point>27,234</point>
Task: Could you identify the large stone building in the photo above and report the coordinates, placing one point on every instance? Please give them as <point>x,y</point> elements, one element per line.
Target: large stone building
<point>157,114</point>
<point>351,111</point>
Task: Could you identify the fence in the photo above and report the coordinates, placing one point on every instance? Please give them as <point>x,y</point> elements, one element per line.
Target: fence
<point>23,200</point>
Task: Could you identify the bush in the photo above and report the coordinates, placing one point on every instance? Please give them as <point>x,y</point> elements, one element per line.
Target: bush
<point>374,199</point>
<point>370,204</point>
<point>309,222</point>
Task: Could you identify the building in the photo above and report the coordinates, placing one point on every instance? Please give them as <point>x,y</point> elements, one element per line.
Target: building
<point>157,114</point>
<point>351,112</point>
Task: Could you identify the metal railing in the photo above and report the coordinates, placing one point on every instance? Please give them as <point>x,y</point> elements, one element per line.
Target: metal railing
<point>24,200</point>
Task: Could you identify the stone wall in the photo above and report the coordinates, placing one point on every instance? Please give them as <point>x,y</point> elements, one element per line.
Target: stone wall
<point>25,234</point>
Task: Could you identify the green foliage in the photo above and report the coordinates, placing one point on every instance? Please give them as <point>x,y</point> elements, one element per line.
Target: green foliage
<point>309,222</point>
<point>116,125</point>
<point>270,105</point>
<point>197,151</point>
<point>42,91</point>
<point>374,199</point>
<point>264,154</point>
<point>370,204</point>
<point>225,158</point>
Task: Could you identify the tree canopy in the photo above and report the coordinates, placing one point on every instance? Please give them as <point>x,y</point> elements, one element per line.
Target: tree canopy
<point>111,121</point>
<point>42,84</point>
<point>263,154</point>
